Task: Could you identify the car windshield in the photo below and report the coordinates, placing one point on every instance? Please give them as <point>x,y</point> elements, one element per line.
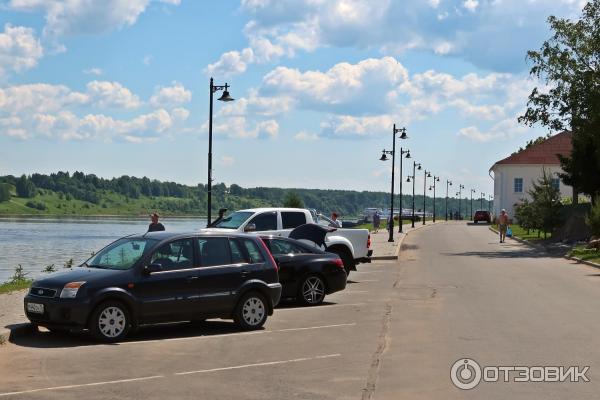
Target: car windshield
<point>234,220</point>
<point>122,254</point>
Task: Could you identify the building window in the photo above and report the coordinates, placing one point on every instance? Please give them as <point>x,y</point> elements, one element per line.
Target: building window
<point>556,183</point>
<point>518,185</point>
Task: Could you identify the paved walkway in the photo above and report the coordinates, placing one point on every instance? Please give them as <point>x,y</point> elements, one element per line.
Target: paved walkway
<point>384,250</point>
<point>11,312</point>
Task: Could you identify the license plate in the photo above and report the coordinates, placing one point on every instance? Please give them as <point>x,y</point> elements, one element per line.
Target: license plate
<point>35,308</point>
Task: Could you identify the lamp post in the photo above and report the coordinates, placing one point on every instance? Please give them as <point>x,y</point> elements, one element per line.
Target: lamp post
<point>448,183</point>
<point>408,179</point>
<point>481,200</point>
<point>225,97</point>
<point>402,152</point>
<point>426,174</point>
<point>460,188</point>
<point>472,191</point>
<point>402,132</point>
<point>435,179</point>
<point>458,195</point>
<point>490,202</point>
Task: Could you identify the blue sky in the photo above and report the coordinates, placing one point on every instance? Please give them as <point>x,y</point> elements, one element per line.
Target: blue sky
<point>120,87</point>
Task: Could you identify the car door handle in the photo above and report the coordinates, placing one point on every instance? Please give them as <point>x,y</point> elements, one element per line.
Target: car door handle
<point>191,278</point>
<point>245,273</point>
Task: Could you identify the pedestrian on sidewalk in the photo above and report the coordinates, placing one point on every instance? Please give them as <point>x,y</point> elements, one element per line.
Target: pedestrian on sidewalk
<point>155,226</point>
<point>376,221</point>
<point>503,225</point>
<point>334,218</point>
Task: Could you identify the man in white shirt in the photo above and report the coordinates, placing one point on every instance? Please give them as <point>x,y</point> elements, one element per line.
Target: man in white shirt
<point>335,219</point>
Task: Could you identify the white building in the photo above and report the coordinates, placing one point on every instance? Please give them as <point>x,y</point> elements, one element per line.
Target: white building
<point>513,176</point>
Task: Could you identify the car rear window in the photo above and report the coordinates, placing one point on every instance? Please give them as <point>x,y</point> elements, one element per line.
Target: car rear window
<point>292,219</point>
<point>253,251</point>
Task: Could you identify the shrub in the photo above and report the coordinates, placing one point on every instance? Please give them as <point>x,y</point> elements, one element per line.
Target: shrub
<point>19,275</point>
<point>593,218</point>
<point>4,192</point>
<point>49,268</point>
<point>36,205</point>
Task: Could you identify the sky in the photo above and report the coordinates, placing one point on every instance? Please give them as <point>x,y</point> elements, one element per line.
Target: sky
<point>121,87</point>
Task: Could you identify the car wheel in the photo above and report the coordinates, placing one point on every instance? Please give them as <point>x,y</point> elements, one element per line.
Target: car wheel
<point>346,259</point>
<point>251,311</point>
<point>312,291</point>
<point>110,322</point>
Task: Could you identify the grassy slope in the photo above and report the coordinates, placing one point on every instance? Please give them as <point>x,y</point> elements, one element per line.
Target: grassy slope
<point>585,254</point>
<point>111,204</point>
<point>11,287</point>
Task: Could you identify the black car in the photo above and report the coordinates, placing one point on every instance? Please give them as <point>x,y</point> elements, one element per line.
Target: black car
<point>306,272</point>
<point>160,277</point>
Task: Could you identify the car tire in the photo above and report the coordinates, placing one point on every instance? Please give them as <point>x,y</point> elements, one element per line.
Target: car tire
<point>110,322</point>
<point>251,311</point>
<point>311,291</point>
<point>349,264</point>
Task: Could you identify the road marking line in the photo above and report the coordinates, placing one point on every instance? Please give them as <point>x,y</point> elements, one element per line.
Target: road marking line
<point>319,308</point>
<point>240,333</point>
<point>82,385</point>
<point>264,364</point>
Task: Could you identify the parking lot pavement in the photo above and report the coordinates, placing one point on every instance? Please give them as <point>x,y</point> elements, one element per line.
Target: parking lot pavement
<point>323,352</point>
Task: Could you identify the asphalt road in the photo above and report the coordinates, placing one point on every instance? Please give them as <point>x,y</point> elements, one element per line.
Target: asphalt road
<point>393,334</point>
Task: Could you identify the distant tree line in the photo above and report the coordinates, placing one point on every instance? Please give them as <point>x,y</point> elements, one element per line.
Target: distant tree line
<point>171,197</point>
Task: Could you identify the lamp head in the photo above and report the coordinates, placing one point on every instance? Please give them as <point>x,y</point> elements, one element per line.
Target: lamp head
<point>407,154</point>
<point>419,167</point>
<point>408,179</point>
<point>383,157</point>
<point>226,96</point>
<point>429,174</point>
<point>403,134</point>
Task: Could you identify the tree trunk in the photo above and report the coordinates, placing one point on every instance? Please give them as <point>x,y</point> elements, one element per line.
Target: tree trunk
<point>575,197</point>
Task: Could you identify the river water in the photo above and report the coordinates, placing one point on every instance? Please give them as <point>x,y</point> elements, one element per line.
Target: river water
<point>37,242</point>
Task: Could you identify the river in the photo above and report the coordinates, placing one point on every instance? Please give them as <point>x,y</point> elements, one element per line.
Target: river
<point>37,242</point>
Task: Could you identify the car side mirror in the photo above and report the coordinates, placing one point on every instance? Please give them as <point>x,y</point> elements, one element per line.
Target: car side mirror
<point>154,267</point>
<point>250,228</point>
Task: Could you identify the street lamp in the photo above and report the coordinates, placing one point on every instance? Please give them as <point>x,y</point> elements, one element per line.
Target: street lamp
<point>472,191</point>
<point>435,179</point>
<point>426,174</point>
<point>490,202</point>
<point>481,201</point>
<point>402,132</point>
<point>402,152</point>
<point>448,183</point>
<point>416,166</point>
<point>460,188</point>
<point>225,97</point>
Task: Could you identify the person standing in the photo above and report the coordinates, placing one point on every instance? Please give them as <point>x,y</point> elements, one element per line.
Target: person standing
<point>376,221</point>
<point>334,218</point>
<point>502,225</point>
<point>155,226</point>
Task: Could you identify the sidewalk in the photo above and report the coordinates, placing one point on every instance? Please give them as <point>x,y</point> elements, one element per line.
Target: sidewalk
<point>12,315</point>
<point>384,250</point>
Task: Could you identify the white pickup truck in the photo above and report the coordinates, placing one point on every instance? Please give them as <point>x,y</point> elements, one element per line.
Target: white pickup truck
<point>352,245</point>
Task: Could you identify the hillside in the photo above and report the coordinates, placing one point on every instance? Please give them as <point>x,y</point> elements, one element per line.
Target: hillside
<point>80,194</point>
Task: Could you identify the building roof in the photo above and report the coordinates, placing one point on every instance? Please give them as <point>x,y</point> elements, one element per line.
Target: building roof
<point>545,153</point>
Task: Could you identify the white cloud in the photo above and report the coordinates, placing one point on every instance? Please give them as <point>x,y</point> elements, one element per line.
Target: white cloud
<point>305,136</point>
<point>171,95</point>
<point>504,129</point>
<point>93,71</point>
<point>180,114</point>
<point>78,17</point>
<point>457,28</point>
<point>227,161</point>
<point>112,94</point>
<point>20,50</point>
<point>147,60</point>
<point>239,128</point>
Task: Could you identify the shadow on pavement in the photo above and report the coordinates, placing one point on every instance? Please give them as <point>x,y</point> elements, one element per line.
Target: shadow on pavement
<point>409,247</point>
<point>177,330</point>
<point>523,253</point>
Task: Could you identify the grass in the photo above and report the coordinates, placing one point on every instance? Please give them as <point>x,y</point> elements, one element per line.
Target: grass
<point>582,253</point>
<point>8,287</point>
<point>521,233</point>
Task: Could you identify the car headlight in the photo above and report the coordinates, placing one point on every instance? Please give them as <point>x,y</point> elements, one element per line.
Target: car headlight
<point>70,290</point>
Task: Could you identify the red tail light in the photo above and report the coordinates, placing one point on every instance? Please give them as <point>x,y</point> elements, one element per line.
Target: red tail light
<point>369,242</point>
<point>270,255</point>
<point>338,262</point>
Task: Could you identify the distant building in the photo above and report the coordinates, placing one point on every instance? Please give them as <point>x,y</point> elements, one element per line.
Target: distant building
<point>513,176</point>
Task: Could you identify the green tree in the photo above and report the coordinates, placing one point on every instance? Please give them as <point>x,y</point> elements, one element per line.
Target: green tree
<point>25,187</point>
<point>292,200</point>
<point>545,203</point>
<point>4,192</point>
<point>593,219</point>
<point>567,64</point>
<point>525,215</point>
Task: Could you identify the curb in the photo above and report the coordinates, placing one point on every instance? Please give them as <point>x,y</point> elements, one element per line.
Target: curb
<point>526,242</point>
<point>580,261</point>
<point>17,330</point>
